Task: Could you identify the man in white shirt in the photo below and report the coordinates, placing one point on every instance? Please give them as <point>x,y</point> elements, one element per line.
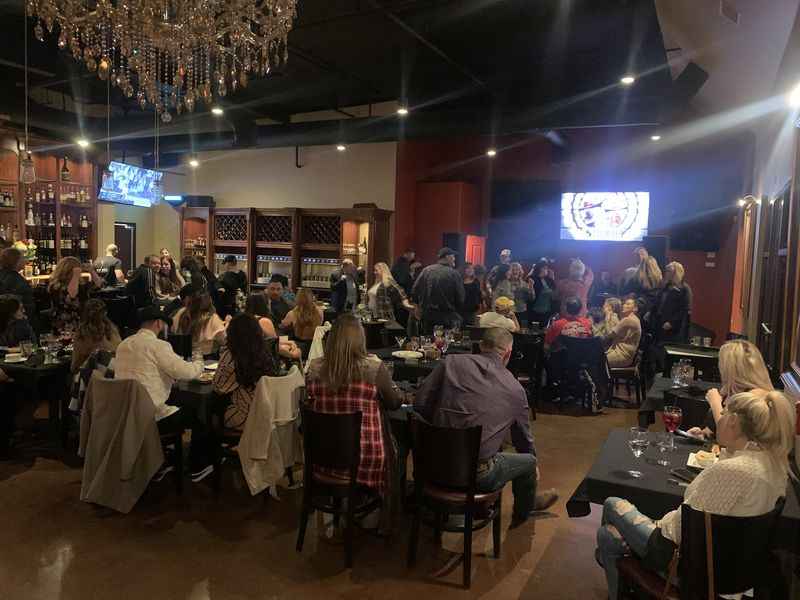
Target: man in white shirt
<point>502,316</point>
<point>152,362</point>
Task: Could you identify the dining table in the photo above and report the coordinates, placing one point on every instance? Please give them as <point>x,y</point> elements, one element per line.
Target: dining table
<point>657,491</point>
<point>690,399</point>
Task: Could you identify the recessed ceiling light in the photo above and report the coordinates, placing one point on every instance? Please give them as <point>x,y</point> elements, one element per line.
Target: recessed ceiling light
<point>341,147</point>
<point>402,111</point>
<point>83,143</point>
<point>793,97</point>
<point>655,137</point>
<point>217,111</point>
<point>491,152</point>
<point>741,202</point>
<point>627,80</point>
<point>194,163</point>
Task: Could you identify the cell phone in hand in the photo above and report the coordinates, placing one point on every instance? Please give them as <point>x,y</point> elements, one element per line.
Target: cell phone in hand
<point>683,474</point>
<point>689,437</point>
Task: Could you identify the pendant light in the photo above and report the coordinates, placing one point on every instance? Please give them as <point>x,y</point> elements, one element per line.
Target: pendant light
<point>108,176</point>
<point>65,174</point>
<point>27,170</point>
<point>158,186</point>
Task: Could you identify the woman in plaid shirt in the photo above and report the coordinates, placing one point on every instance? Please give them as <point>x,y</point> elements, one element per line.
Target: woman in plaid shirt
<point>347,380</point>
<point>386,297</point>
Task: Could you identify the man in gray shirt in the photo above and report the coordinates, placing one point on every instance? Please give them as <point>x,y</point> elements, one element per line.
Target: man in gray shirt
<point>439,292</point>
<point>466,390</point>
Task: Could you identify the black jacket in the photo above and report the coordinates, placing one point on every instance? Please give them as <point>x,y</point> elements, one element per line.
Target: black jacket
<point>675,307</point>
<point>13,283</point>
<point>141,286</point>
<point>439,289</point>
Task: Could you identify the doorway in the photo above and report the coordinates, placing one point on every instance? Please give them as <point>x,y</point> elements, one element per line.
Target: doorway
<point>125,239</point>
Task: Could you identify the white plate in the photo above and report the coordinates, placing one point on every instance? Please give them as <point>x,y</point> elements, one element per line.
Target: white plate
<point>407,354</point>
<point>13,361</point>
<point>212,366</point>
<point>693,462</point>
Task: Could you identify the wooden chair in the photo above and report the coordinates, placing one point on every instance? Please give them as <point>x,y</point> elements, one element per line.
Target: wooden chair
<point>333,441</point>
<point>445,474</point>
<point>718,555</point>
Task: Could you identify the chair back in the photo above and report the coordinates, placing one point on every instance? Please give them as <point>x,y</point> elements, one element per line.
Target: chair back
<point>181,343</point>
<point>474,332</point>
<point>739,552</point>
<point>444,456</point>
<point>332,441</point>
<point>121,311</point>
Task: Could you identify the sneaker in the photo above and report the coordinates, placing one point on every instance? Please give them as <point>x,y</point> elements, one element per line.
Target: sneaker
<point>162,472</point>
<point>545,500</point>
<point>198,476</point>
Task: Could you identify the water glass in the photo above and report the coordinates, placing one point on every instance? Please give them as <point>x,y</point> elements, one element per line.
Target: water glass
<point>26,348</point>
<point>637,442</point>
<point>197,357</point>
<point>666,443</point>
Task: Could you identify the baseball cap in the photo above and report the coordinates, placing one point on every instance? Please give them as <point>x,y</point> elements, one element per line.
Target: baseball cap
<point>504,303</point>
<point>446,252</point>
<point>152,313</point>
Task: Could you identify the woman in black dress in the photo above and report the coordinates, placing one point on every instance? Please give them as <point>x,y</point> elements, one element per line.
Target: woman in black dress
<point>472,295</point>
<point>674,305</point>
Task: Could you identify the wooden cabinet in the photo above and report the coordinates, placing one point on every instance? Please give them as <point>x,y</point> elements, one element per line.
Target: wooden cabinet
<point>305,246</point>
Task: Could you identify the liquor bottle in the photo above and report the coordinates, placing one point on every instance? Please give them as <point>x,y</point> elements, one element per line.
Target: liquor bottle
<point>29,217</point>
<point>51,222</point>
<point>2,232</point>
<point>51,194</point>
<point>37,220</point>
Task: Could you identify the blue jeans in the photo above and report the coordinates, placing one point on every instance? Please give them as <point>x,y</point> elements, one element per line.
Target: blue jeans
<point>520,470</point>
<point>624,530</point>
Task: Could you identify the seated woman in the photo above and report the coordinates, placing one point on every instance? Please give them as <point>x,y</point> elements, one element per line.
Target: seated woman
<point>14,326</point>
<point>257,308</point>
<point>247,357</point>
<point>741,369</point>
<point>169,281</point>
<point>346,380</point>
<point>612,309</point>
<point>68,292</point>
<point>757,432</point>
<point>201,321</point>
<point>623,339</point>
<point>95,332</point>
<point>304,318</point>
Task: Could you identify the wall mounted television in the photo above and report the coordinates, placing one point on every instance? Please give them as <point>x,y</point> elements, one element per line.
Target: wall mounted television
<point>131,185</point>
<point>604,216</point>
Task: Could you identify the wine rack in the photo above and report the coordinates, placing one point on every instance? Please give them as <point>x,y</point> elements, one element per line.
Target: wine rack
<point>274,229</point>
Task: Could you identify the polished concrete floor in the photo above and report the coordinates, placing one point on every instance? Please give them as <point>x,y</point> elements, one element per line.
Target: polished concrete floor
<point>52,546</point>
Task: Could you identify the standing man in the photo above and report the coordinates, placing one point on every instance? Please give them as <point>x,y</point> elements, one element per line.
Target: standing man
<point>110,267</point>
<point>232,281</point>
<point>142,286</point>
<point>344,288</point>
<point>278,307</point>
<point>439,293</point>
<point>401,270</point>
<point>505,259</point>
<point>466,390</point>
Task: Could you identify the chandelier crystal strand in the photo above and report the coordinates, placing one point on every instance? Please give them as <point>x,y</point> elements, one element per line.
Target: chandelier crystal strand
<point>164,52</point>
<point>27,168</point>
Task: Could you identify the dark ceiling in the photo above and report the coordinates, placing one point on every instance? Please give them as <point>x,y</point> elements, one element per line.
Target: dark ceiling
<point>470,66</point>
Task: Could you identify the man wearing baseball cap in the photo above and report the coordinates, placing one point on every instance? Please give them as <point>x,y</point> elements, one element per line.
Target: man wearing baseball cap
<point>439,293</point>
<point>503,316</point>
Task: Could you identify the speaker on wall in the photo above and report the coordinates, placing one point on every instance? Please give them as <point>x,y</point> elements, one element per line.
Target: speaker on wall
<point>658,247</point>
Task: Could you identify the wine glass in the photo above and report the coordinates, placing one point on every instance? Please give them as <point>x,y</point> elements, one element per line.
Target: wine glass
<point>438,331</point>
<point>413,345</point>
<point>672,417</point>
<point>400,341</point>
<point>637,442</point>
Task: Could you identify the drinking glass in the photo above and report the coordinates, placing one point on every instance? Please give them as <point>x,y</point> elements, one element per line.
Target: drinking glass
<point>637,442</point>
<point>675,375</point>
<point>672,417</point>
<point>438,331</point>
<point>197,357</point>
<point>26,348</point>
<point>666,443</point>
<point>400,341</point>
<point>413,345</point>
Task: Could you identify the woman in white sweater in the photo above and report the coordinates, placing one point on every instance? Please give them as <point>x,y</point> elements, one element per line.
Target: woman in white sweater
<point>757,433</point>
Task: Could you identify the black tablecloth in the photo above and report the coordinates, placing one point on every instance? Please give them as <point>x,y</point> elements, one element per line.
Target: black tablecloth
<point>692,401</point>
<point>653,494</point>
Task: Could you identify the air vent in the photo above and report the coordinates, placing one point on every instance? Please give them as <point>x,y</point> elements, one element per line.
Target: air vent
<point>728,10</point>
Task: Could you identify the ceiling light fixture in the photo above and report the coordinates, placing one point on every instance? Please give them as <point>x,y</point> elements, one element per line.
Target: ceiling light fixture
<point>402,111</point>
<point>194,163</point>
<point>217,111</point>
<point>655,137</point>
<point>741,202</point>
<point>793,97</point>
<point>83,143</point>
<point>173,54</point>
<point>341,147</point>
<point>627,80</point>
<point>27,170</point>
<point>491,152</point>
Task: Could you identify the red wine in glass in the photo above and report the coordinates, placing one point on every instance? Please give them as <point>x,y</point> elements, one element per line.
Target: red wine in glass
<point>672,417</point>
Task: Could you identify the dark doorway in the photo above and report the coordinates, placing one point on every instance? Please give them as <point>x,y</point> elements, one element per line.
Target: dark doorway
<point>125,239</point>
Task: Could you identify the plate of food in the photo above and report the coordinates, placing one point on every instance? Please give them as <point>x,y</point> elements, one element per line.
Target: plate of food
<point>206,377</point>
<point>407,354</point>
<point>13,358</point>
<point>701,459</point>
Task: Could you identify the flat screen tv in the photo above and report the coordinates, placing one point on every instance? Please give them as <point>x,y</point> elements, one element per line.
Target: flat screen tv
<point>130,185</point>
<point>604,216</point>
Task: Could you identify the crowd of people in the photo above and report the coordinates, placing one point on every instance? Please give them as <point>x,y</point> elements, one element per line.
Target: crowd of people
<point>749,418</point>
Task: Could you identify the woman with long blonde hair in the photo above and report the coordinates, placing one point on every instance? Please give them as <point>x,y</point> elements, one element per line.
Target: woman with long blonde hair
<point>68,292</point>
<point>648,273</point>
<point>347,380</point>
<point>741,369</point>
<point>386,298</point>
<point>305,317</point>
<point>757,432</point>
<point>674,307</point>
<point>612,313</point>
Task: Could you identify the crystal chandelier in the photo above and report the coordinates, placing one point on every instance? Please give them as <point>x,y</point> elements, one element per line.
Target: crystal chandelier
<point>171,54</point>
